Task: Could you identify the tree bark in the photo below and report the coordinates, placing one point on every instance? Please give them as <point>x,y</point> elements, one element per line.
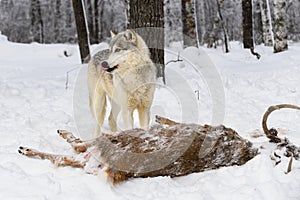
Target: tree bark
<point>223,26</point>
<point>248,27</point>
<point>212,38</point>
<point>82,31</point>
<point>37,24</point>
<point>188,23</point>
<point>200,19</point>
<point>57,21</point>
<point>96,4</point>
<point>91,21</point>
<point>147,18</point>
<point>247,24</point>
<point>280,30</point>
<point>266,22</point>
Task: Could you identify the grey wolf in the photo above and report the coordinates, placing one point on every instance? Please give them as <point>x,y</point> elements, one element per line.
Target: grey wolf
<point>166,149</point>
<point>126,75</point>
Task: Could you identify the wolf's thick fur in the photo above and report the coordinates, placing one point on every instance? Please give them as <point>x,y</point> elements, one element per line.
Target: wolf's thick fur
<point>129,86</point>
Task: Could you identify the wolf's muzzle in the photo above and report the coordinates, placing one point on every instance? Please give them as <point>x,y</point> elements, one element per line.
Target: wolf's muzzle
<point>105,67</point>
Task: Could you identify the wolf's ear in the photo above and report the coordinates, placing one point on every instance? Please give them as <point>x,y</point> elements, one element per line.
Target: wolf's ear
<point>113,33</point>
<point>130,35</point>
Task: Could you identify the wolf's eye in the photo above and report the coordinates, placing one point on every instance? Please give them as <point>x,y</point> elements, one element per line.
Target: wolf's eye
<point>117,50</point>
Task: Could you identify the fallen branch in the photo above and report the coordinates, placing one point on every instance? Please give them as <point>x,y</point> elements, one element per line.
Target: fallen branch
<point>178,60</point>
<point>255,53</point>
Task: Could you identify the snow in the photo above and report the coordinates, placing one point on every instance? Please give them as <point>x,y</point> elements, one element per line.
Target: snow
<point>34,103</point>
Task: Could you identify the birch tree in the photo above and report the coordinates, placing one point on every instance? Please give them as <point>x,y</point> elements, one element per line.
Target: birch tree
<point>188,23</point>
<point>266,22</point>
<point>200,20</point>
<point>280,29</point>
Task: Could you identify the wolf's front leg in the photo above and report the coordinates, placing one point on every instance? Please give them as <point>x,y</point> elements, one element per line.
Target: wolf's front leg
<point>127,114</point>
<point>144,117</point>
<point>57,160</point>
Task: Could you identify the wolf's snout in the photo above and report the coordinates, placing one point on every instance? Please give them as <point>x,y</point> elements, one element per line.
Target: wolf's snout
<point>105,64</point>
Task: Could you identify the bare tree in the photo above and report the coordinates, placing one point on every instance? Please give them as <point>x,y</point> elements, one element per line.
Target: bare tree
<point>188,23</point>
<point>37,24</point>
<point>247,27</point>
<point>280,29</point>
<point>147,17</point>
<point>82,31</point>
<point>223,25</point>
<point>57,21</point>
<point>96,12</point>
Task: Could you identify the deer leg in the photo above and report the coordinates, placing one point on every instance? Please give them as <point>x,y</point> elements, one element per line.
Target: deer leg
<point>77,144</point>
<point>57,160</point>
<point>166,121</point>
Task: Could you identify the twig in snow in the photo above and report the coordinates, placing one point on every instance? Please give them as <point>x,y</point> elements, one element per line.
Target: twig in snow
<point>178,59</point>
<point>255,53</point>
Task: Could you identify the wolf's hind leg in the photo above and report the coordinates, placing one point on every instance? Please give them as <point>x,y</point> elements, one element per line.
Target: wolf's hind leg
<point>57,160</point>
<point>112,119</point>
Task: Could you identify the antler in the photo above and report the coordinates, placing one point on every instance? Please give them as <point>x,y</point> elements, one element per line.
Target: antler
<point>272,133</point>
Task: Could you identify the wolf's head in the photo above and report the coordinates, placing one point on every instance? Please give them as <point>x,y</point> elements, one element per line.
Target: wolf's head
<point>122,45</point>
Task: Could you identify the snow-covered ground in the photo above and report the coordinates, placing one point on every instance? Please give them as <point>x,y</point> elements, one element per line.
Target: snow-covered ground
<point>35,103</point>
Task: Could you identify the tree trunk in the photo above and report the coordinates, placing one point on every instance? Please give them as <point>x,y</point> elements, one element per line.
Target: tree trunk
<point>223,26</point>
<point>247,27</point>
<point>247,24</point>
<point>90,20</point>
<point>266,22</point>
<point>257,23</point>
<point>147,18</point>
<point>37,25</point>
<point>188,23</point>
<point>280,30</point>
<point>96,4</point>
<point>57,20</point>
<point>212,38</point>
<point>82,31</point>
<point>200,19</point>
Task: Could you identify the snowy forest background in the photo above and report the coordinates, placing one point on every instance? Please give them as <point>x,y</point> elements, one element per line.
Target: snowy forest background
<point>18,20</point>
